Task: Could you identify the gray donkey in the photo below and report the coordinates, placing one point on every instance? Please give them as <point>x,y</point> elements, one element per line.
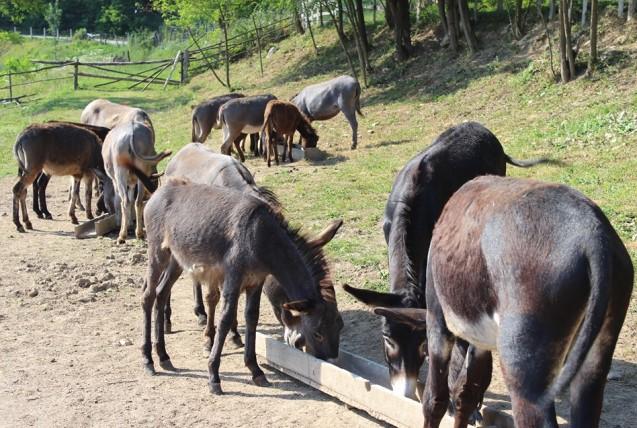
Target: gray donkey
<point>199,164</point>
<point>230,241</point>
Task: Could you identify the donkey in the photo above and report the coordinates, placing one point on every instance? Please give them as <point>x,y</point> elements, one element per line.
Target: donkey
<point>535,271</point>
<point>241,116</point>
<point>130,161</point>
<point>285,118</point>
<point>230,241</point>
<point>418,194</point>
<point>205,116</point>
<point>55,149</point>
<point>323,101</point>
<point>200,164</point>
<point>108,114</point>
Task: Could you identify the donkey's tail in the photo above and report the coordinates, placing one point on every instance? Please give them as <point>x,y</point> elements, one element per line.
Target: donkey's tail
<point>600,277</point>
<point>358,99</point>
<point>154,159</point>
<point>530,162</point>
<point>18,153</point>
<point>196,130</point>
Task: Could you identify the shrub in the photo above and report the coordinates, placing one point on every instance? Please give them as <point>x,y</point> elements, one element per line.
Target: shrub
<point>80,34</point>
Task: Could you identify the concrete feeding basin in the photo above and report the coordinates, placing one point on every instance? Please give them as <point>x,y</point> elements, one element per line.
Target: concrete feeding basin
<point>97,227</point>
<point>358,382</point>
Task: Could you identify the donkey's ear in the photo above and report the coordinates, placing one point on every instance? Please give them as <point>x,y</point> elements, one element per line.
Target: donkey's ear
<point>299,307</point>
<point>414,317</point>
<point>326,234</point>
<point>374,298</point>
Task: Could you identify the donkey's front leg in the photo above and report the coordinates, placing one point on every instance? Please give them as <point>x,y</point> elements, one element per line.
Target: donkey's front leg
<point>253,302</point>
<point>231,291</point>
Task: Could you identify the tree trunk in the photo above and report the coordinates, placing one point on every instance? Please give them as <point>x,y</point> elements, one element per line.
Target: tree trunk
<point>470,37</point>
<point>452,32</point>
<point>297,18</point>
<point>360,50</point>
<point>374,12</point>
<point>309,27</point>
<point>500,6</point>
<point>564,65</point>
<point>443,17</point>
<point>340,14</point>
<point>584,8</point>
<point>402,27</point>
<point>517,25</point>
<point>592,60</point>
<point>389,18</point>
<point>341,39</point>
<point>418,11</point>
<point>570,53</point>
<point>360,13</point>
<point>620,8</point>
<point>551,10</point>
<point>632,9</point>
<point>321,14</point>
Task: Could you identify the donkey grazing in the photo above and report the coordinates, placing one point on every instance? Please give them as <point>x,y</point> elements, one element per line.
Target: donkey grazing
<point>130,161</point>
<point>55,149</point>
<point>418,194</point>
<point>536,272</point>
<point>230,241</point>
<point>323,101</point>
<point>285,118</point>
<point>205,116</point>
<point>199,164</point>
<point>241,116</point>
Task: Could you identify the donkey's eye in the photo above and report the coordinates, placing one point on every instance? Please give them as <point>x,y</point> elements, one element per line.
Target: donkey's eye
<point>318,337</point>
<point>390,343</point>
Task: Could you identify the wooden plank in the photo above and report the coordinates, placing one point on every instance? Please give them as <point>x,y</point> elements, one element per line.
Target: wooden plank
<point>348,387</point>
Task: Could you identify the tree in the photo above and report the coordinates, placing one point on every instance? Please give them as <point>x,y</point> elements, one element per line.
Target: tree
<point>632,9</point>
<point>360,14</point>
<point>402,27</point>
<point>592,60</point>
<point>17,10</point>
<point>53,16</point>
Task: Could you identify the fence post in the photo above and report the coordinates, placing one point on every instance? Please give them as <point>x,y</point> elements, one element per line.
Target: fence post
<point>44,32</point>
<point>75,74</point>
<point>185,62</point>
<point>256,30</point>
<point>225,38</point>
<point>10,88</point>
<point>57,33</point>
<point>70,33</point>
<point>31,32</point>
<point>15,30</point>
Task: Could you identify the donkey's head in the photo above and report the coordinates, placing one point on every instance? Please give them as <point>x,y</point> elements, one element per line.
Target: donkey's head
<point>405,345</point>
<point>316,326</point>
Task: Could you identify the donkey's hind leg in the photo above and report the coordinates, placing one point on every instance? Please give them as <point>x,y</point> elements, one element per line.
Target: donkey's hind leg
<point>43,182</point>
<point>167,279</point>
<point>212,298</point>
<point>236,337</point>
<point>253,302</point>
<point>200,310</point>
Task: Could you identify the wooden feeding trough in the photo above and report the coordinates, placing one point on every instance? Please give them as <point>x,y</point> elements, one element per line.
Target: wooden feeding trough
<point>97,227</point>
<point>358,382</point>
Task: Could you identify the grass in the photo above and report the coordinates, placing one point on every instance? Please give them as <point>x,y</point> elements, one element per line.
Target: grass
<point>590,124</point>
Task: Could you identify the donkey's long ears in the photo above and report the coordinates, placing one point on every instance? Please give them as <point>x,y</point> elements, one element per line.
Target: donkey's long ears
<point>413,317</point>
<point>374,298</point>
<point>326,234</point>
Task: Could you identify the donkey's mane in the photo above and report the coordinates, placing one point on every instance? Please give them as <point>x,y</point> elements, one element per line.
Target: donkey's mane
<point>268,196</point>
<point>312,256</point>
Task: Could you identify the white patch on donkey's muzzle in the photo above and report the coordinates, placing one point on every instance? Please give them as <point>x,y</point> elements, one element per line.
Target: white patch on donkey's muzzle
<point>404,385</point>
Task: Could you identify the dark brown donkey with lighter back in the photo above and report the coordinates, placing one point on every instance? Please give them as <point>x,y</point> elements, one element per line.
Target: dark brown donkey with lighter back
<point>231,242</point>
<point>535,271</point>
<point>418,194</point>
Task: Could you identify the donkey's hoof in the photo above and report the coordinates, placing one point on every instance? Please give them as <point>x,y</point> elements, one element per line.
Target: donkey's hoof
<point>28,225</point>
<point>202,320</point>
<point>215,388</point>
<point>121,241</point>
<point>140,235</point>
<point>89,216</point>
<point>20,229</point>
<point>167,365</point>
<point>48,216</point>
<point>236,341</point>
<point>149,369</point>
<point>261,381</point>
<point>168,328</point>
<point>206,352</point>
<point>40,214</point>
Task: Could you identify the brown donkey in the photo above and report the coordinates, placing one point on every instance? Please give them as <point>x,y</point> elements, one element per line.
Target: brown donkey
<point>230,241</point>
<point>536,272</point>
<point>55,149</point>
<point>285,119</point>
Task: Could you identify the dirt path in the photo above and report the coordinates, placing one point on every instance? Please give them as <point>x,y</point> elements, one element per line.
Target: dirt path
<point>71,355</point>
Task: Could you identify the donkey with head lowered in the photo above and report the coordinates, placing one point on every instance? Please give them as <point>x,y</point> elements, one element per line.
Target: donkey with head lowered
<point>418,194</point>
<point>230,241</point>
<point>535,271</point>
<point>199,164</point>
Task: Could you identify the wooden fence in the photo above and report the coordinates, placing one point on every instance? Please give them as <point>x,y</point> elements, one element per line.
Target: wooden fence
<point>194,60</point>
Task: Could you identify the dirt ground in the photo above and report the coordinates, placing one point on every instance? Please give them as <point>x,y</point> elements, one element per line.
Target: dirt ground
<point>71,353</point>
